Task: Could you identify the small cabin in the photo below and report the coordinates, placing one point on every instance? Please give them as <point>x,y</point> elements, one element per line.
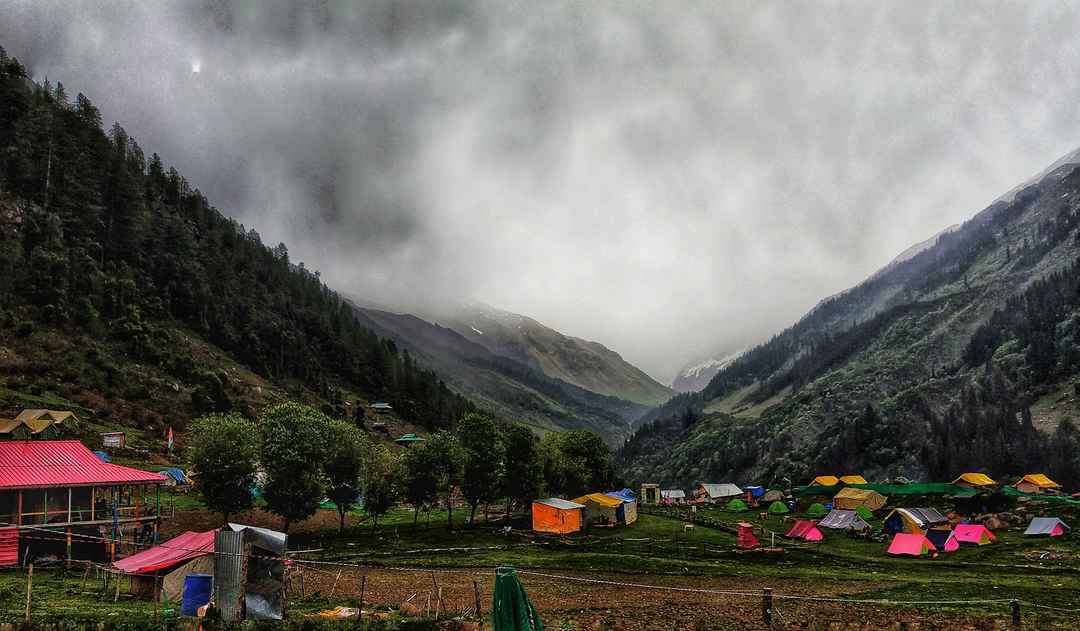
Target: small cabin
<point>117,440</point>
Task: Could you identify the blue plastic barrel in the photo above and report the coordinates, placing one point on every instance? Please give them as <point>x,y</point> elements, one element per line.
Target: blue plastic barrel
<point>197,590</point>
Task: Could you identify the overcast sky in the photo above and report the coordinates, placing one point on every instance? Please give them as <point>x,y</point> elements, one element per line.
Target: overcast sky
<point>672,179</point>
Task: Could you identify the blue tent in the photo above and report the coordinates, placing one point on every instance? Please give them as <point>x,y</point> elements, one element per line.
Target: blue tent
<point>755,491</point>
<point>102,456</point>
<point>175,474</point>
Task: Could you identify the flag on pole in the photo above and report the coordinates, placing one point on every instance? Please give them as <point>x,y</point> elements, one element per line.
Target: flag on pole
<point>170,438</point>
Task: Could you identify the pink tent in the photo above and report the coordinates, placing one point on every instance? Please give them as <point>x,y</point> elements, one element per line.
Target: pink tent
<point>806,530</point>
<point>973,533</point>
<point>943,540</point>
<point>914,545</point>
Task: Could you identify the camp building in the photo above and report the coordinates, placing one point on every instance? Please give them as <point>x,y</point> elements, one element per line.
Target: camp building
<point>716,492</point>
<point>61,486</point>
<point>36,424</point>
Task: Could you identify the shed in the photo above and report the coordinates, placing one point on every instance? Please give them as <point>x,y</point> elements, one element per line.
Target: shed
<point>114,439</point>
<point>844,520</point>
<point>673,496</point>
<point>1046,527</point>
<point>600,510</point>
<point>974,480</point>
<point>850,498</point>
<point>1036,483</point>
<point>973,533</point>
<point>650,493</point>
<point>914,521</point>
<point>187,553</point>
<point>806,530</point>
<point>557,516</point>
<point>912,545</point>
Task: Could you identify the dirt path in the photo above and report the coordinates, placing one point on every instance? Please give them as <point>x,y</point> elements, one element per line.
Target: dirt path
<point>570,604</point>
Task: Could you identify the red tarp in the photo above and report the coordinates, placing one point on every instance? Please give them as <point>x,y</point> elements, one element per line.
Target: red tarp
<point>9,546</point>
<point>173,552</point>
<point>40,463</point>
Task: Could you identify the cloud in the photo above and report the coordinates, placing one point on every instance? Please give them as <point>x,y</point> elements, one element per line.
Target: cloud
<point>671,180</point>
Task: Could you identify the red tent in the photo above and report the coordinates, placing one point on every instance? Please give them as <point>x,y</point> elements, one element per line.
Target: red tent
<point>973,533</point>
<point>747,539</point>
<point>806,530</point>
<point>173,552</point>
<point>914,545</point>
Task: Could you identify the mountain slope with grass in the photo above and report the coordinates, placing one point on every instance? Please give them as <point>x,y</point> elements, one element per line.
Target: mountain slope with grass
<point>126,295</point>
<point>513,389</point>
<point>584,363</point>
<point>962,356</point>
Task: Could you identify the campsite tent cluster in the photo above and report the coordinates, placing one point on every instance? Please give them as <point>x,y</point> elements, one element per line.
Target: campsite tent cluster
<point>559,516</point>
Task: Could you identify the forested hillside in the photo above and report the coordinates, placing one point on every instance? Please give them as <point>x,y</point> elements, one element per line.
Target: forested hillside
<point>964,356</point>
<point>124,291</point>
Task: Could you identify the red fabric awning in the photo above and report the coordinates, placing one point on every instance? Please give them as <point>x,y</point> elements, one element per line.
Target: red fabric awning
<point>44,463</point>
<point>175,551</point>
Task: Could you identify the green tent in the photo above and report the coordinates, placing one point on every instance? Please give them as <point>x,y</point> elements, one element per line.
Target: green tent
<point>736,506</point>
<point>817,510</point>
<point>777,508</point>
<point>510,606</point>
<point>864,512</point>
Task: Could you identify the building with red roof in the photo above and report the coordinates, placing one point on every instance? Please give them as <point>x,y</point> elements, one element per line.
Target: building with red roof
<point>61,486</point>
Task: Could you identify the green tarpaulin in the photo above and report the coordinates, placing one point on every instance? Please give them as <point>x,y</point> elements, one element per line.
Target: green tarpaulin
<point>510,606</point>
<point>924,488</point>
<point>1060,499</point>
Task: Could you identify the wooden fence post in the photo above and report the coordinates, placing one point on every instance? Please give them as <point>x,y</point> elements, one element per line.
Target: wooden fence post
<point>29,588</point>
<point>766,607</point>
<point>360,608</point>
<point>1014,604</point>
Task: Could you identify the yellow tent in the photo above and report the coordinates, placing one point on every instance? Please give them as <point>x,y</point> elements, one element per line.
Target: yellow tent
<point>974,480</point>
<point>600,509</point>
<point>853,479</point>
<point>850,499</point>
<point>825,480</point>
<point>1036,483</point>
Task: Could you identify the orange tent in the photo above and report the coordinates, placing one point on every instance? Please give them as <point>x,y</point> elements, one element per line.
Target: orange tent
<point>556,516</point>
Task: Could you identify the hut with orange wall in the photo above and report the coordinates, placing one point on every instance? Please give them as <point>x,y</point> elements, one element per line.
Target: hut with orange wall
<point>557,516</point>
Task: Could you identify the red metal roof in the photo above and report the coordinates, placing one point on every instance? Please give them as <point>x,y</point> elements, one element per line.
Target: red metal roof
<point>180,548</point>
<point>41,463</point>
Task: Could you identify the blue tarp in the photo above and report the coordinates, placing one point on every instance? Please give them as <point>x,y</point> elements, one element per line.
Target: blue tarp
<point>175,474</point>
<point>102,456</point>
<point>625,495</point>
<point>755,491</point>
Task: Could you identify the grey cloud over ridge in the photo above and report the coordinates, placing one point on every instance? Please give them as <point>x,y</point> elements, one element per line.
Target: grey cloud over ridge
<point>671,179</point>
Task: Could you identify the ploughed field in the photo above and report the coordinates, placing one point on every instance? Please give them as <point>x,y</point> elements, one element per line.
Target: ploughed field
<point>654,574</point>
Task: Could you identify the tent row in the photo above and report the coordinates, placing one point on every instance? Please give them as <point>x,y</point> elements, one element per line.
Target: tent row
<point>559,516</point>
<point>1032,483</point>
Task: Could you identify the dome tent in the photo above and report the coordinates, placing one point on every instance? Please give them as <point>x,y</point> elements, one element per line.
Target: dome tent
<point>817,510</point>
<point>736,506</point>
<point>777,508</point>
